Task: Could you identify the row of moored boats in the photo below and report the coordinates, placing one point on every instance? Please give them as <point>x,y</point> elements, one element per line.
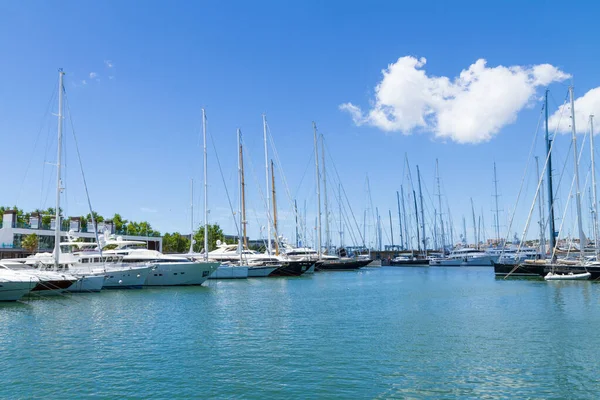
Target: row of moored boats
<point>125,264</point>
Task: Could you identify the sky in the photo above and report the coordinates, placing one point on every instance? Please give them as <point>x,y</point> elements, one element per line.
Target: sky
<point>385,81</point>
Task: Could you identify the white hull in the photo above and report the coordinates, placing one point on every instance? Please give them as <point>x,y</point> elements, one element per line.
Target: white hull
<point>484,261</point>
<point>180,273</point>
<point>445,263</point>
<point>230,272</point>
<point>260,271</point>
<point>568,277</point>
<point>13,291</point>
<point>89,283</point>
<point>127,277</point>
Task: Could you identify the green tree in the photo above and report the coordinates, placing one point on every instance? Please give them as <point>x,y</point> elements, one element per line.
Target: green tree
<point>48,214</point>
<point>30,242</point>
<point>140,229</point>
<point>119,222</point>
<point>97,217</point>
<point>214,233</point>
<point>21,216</point>
<point>175,243</point>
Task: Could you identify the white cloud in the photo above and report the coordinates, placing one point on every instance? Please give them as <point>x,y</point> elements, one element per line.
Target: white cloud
<point>148,210</point>
<point>93,75</point>
<point>108,63</point>
<point>111,77</point>
<point>585,105</point>
<point>84,82</point>
<point>470,108</point>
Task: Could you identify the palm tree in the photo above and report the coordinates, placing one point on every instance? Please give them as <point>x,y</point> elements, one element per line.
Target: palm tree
<point>30,242</point>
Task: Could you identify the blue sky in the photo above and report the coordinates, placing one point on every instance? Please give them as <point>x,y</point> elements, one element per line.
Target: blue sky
<point>149,68</point>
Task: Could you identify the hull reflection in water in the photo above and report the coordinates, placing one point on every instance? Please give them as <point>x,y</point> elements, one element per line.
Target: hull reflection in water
<point>229,272</point>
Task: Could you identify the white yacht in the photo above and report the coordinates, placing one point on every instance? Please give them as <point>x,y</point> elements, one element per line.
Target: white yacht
<point>167,270</point>
<point>465,257</point>
<point>48,283</point>
<point>94,271</point>
<point>13,285</point>
<point>254,264</point>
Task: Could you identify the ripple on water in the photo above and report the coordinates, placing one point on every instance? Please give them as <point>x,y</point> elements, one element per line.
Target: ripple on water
<point>375,333</point>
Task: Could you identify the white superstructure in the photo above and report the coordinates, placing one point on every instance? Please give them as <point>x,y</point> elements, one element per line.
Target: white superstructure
<point>465,257</point>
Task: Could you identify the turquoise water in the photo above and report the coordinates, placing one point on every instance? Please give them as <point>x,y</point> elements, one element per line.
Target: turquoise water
<point>374,333</point>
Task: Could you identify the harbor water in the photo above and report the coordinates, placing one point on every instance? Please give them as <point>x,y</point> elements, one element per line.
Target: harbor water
<point>374,333</point>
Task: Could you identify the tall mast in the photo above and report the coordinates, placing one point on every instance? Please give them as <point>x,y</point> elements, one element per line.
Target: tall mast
<point>240,218</point>
<point>205,187</point>
<point>364,224</point>
<point>549,177</point>
<point>435,236</point>
<point>378,229</point>
<point>422,212</point>
<point>341,217</point>
<point>399,221</point>
<point>451,224</point>
<point>274,208</point>
<point>578,193</point>
<point>244,223</point>
<point>482,237</point>
<point>540,210</point>
<point>327,235</point>
<point>497,210</point>
<point>407,240</point>
<point>57,222</point>
<point>464,230</point>
<point>267,183</point>
<point>296,215</point>
<point>479,232</point>
<point>417,220</point>
<point>318,191</point>
<point>304,239</point>
<point>443,238</point>
<point>595,206</point>
<point>391,227</point>
<point>192,214</point>
<point>474,225</point>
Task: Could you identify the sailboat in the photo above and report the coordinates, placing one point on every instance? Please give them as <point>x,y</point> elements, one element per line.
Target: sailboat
<point>52,282</point>
<point>554,269</point>
<point>527,265</point>
<point>287,266</point>
<point>188,269</point>
<point>325,262</point>
<point>575,272</point>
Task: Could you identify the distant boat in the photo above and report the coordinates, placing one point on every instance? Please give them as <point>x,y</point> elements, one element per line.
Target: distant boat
<point>464,258</point>
<point>326,261</point>
<point>408,260</point>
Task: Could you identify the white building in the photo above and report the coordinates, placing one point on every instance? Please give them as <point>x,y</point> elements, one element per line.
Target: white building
<point>12,233</point>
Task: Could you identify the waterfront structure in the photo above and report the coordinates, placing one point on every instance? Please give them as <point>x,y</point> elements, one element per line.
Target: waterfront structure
<point>12,233</point>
